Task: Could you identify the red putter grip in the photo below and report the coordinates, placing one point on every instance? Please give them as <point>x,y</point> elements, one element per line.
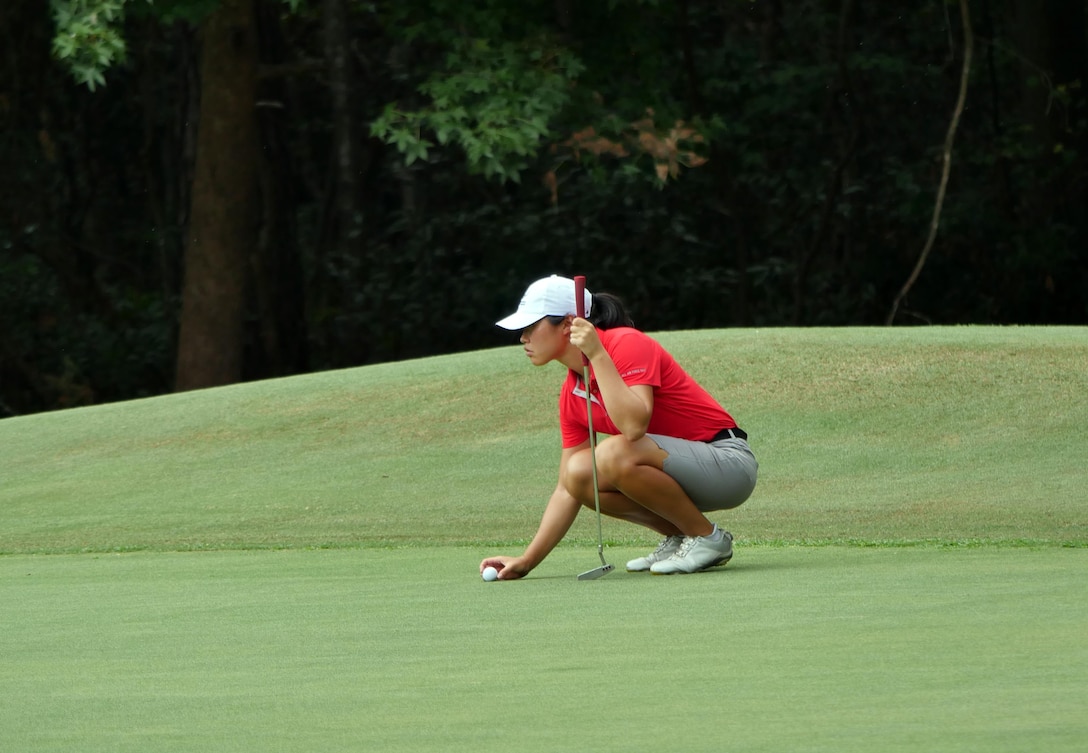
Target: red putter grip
<point>580,303</point>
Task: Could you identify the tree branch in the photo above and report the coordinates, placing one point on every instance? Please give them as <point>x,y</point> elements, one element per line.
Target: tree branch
<point>968,49</point>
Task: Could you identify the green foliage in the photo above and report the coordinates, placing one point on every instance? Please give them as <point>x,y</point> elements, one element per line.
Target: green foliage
<point>88,38</point>
<point>494,101</point>
<point>172,11</point>
<point>71,357</point>
<point>822,137</point>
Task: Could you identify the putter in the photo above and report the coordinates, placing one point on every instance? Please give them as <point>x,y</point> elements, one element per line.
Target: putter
<point>605,568</point>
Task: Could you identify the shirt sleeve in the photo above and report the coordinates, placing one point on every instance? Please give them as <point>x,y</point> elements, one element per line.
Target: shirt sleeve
<point>636,358</point>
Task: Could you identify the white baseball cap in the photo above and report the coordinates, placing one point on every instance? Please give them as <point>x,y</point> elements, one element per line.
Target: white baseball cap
<point>550,296</point>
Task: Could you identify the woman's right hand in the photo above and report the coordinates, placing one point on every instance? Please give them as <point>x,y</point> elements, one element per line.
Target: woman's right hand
<point>510,568</point>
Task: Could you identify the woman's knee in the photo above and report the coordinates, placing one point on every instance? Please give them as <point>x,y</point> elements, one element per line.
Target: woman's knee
<point>617,457</point>
<point>578,476</point>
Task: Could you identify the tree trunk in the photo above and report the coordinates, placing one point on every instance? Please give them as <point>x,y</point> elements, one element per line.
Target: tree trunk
<point>277,342</point>
<point>348,221</point>
<point>223,218</point>
<point>1050,38</point>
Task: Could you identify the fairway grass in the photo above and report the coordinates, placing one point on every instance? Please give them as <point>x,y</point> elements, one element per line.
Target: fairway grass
<point>292,565</point>
<point>786,649</point>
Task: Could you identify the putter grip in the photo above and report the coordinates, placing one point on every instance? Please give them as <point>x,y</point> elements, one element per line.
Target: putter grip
<point>580,303</point>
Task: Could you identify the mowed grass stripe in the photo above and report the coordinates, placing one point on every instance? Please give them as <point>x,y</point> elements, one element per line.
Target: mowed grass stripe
<point>805,649</point>
<point>872,436</point>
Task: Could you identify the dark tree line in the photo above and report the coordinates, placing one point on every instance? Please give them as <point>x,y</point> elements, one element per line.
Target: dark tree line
<point>260,188</point>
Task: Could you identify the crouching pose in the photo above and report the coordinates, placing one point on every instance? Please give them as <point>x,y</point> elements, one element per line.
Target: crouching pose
<point>674,453</point>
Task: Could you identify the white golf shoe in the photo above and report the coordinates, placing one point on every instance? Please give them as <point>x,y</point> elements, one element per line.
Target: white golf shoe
<point>665,549</point>
<point>696,553</point>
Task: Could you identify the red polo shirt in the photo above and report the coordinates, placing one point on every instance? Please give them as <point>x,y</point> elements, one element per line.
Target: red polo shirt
<point>682,408</point>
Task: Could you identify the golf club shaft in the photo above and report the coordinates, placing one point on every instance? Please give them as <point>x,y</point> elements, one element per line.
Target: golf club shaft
<point>593,457</point>
<point>580,307</point>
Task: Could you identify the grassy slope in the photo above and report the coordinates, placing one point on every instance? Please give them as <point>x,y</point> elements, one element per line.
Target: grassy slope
<point>874,436</point>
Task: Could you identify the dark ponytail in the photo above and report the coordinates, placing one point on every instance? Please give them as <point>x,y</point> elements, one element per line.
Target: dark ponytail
<point>608,312</point>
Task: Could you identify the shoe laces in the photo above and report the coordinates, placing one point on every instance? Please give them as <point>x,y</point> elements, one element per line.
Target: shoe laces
<point>665,544</point>
<point>685,547</point>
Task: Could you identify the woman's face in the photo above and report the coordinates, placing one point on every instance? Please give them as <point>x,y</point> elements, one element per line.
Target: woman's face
<point>544,341</point>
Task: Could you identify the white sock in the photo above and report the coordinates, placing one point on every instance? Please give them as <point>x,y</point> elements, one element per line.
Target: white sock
<point>715,535</point>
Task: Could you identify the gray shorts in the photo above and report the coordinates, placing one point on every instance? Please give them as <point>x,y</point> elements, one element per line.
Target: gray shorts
<point>716,476</point>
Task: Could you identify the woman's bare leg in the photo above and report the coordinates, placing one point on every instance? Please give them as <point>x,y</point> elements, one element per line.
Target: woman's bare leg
<point>634,487</point>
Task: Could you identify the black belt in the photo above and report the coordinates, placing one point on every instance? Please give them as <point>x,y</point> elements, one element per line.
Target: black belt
<point>729,434</point>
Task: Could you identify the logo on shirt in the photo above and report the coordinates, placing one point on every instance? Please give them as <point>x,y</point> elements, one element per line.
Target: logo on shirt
<point>580,392</point>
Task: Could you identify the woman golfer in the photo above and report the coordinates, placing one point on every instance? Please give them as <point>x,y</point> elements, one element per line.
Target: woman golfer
<point>674,453</point>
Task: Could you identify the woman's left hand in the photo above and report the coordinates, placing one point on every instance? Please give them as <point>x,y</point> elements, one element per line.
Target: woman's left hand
<point>583,336</point>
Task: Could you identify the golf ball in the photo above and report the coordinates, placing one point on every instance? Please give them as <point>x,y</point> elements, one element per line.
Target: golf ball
<point>490,574</point>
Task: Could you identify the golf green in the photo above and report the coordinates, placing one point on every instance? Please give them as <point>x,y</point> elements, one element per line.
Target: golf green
<point>786,649</point>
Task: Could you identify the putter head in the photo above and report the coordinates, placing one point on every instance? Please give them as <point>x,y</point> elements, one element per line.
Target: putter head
<point>595,573</point>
